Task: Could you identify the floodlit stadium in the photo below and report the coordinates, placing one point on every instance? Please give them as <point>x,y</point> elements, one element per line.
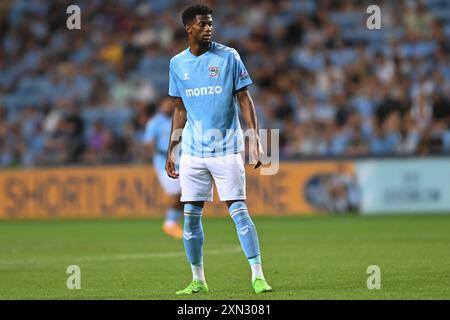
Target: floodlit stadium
<point>351,104</point>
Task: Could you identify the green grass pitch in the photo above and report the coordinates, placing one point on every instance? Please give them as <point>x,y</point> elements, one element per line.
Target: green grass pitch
<point>304,258</point>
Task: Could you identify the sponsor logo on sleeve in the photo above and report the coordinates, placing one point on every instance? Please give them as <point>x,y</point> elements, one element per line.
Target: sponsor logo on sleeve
<point>243,75</point>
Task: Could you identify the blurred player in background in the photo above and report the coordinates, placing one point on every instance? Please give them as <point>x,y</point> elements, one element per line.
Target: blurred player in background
<point>157,136</point>
<point>206,81</point>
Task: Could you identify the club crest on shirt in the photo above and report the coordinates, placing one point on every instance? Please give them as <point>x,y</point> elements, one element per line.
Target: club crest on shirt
<point>213,72</point>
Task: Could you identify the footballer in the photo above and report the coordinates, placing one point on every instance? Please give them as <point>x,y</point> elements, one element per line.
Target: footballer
<point>157,136</point>
<point>207,81</point>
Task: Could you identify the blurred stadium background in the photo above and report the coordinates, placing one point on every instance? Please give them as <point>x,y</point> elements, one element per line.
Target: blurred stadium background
<point>364,120</point>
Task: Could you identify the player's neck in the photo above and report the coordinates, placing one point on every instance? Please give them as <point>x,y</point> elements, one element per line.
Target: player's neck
<point>199,48</point>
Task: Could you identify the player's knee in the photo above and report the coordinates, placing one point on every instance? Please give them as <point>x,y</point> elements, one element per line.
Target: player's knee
<point>239,213</point>
<point>231,204</point>
<point>237,205</point>
<point>192,209</point>
<point>192,216</point>
<point>174,202</point>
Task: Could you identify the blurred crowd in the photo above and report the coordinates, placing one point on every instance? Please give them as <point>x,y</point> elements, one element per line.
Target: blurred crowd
<point>333,87</point>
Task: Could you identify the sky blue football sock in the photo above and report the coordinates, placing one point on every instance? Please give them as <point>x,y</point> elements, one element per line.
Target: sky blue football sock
<point>246,231</point>
<point>193,234</point>
<point>255,260</point>
<point>173,215</point>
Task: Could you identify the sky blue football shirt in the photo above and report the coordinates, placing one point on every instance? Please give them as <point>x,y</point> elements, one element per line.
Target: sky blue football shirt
<point>207,86</point>
<point>157,131</point>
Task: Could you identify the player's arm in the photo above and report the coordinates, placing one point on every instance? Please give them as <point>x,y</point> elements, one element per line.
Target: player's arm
<point>148,139</point>
<point>178,122</point>
<point>149,148</point>
<point>249,115</point>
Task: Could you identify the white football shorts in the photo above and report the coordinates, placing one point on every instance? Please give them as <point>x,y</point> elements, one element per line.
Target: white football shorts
<point>170,186</point>
<point>197,175</point>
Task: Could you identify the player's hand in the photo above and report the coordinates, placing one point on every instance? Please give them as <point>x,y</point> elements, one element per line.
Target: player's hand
<point>256,154</point>
<point>170,166</point>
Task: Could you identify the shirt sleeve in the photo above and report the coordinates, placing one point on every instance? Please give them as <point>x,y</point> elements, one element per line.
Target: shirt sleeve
<point>173,89</point>
<point>150,132</point>
<point>241,76</point>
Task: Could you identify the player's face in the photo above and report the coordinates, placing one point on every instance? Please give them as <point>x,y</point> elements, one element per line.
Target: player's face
<point>201,28</point>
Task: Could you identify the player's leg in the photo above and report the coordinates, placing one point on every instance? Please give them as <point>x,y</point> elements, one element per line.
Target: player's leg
<point>248,238</point>
<point>171,187</point>
<point>172,225</point>
<point>229,177</point>
<point>193,237</point>
<point>196,187</point>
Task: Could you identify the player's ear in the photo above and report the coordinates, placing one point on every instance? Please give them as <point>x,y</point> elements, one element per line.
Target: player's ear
<point>188,26</point>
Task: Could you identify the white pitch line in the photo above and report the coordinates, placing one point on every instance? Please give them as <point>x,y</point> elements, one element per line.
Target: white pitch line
<point>137,256</point>
<point>152,255</point>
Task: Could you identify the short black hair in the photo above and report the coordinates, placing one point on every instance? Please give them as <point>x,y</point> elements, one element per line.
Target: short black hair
<point>190,12</point>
